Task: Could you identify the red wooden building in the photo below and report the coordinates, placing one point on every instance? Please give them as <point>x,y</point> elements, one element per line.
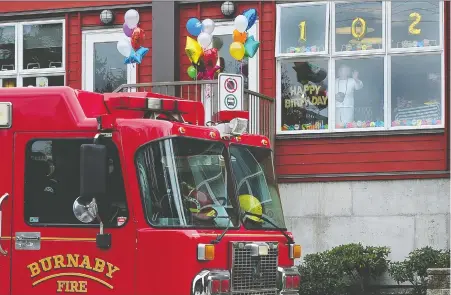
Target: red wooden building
<point>361,88</point>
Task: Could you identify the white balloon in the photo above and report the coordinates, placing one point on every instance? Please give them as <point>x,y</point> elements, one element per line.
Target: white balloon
<point>208,26</point>
<point>241,23</point>
<point>204,39</point>
<point>131,18</point>
<point>124,46</point>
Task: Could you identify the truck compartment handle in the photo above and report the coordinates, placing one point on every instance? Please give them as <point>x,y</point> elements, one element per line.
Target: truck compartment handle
<point>2,198</point>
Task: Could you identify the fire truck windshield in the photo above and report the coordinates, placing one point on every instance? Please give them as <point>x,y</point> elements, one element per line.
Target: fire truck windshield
<point>257,186</point>
<point>185,182</point>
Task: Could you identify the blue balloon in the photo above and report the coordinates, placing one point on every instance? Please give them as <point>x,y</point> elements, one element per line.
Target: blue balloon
<point>194,26</point>
<point>136,56</point>
<point>250,47</point>
<point>251,15</point>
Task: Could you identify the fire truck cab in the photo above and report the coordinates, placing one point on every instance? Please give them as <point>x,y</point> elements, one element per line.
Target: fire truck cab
<point>133,193</point>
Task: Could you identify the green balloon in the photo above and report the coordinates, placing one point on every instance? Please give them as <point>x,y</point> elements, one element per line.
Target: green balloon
<point>192,72</point>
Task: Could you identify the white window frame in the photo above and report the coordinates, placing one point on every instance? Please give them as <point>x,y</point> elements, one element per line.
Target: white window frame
<point>131,68</point>
<point>19,73</point>
<point>278,28</point>
<point>386,53</point>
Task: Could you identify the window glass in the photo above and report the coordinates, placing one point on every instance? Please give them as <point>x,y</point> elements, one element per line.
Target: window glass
<point>416,90</point>
<point>42,46</point>
<point>227,63</point>
<point>7,48</point>
<point>8,82</point>
<point>52,182</point>
<point>359,93</point>
<point>358,26</point>
<point>110,71</point>
<point>43,81</point>
<point>302,28</point>
<point>304,103</point>
<point>415,24</point>
<point>184,181</point>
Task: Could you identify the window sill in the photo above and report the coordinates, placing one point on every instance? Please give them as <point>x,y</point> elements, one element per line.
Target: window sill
<point>360,134</point>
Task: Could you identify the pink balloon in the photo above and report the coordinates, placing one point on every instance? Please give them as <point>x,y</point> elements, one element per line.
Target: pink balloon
<point>127,31</point>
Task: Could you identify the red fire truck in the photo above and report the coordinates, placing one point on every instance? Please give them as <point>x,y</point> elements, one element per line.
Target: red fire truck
<point>133,193</point>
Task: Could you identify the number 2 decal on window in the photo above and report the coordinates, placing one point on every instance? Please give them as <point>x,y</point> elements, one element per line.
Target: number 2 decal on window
<point>302,36</point>
<point>416,18</point>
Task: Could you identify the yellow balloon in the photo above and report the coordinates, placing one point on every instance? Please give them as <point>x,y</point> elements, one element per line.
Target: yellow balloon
<point>193,50</point>
<point>237,50</point>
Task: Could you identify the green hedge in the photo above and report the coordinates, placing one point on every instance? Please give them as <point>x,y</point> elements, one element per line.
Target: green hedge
<point>348,269</point>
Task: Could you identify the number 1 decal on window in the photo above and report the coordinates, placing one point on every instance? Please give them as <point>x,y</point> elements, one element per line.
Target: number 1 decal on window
<point>416,17</point>
<point>302,35</point>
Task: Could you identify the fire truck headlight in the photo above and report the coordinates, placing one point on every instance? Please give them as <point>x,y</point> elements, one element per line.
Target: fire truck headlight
<point>288,280</point>
<point>205,252</point>
<point>5,114</point>
<point>211,282</point>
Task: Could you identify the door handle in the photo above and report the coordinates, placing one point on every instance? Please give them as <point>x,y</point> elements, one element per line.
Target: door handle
<point>2,198</point>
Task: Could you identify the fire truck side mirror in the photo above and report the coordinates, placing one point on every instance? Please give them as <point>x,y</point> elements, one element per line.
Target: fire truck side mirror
<point>93,170</point>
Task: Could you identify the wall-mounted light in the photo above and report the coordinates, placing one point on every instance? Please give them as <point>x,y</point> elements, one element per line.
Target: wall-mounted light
<point>228,8</point>
<point>107,17</point>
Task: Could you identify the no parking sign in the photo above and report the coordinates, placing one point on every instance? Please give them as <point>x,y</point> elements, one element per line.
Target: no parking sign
<point>231,92</point>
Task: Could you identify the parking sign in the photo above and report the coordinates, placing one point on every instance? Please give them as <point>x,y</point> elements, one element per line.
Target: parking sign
<point>231,92</point>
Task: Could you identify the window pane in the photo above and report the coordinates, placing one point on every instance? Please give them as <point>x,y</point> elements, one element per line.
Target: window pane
<point>304,95</point>
<point>7,48</point>
<point>359,93</point>
<point>416,90</point>
<point>43,81</point>
<point>415,24</point>
<point>358,26</point>
<point>8,82</point>
<point>52,183</point>
<point>109,69</point>
<point>227,63</point>
<point>302,28</point>
<point>42,46</point>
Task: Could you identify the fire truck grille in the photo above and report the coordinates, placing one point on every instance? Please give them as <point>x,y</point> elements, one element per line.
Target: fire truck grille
<point>254,275</point>
<point>256,293</point>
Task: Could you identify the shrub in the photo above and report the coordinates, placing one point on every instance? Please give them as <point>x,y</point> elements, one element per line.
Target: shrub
<point>414,268</point>
<point>346,269</point>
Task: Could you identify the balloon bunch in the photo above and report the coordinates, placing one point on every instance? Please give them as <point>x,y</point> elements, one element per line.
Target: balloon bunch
<point>244,45</point>
<point>130,45</point>
<point>201,53</point>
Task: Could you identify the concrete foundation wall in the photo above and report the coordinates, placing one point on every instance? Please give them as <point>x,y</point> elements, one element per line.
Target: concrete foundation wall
<point>401,214</point>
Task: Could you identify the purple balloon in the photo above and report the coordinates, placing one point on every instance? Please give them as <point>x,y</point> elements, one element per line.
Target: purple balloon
<point>127,31</point>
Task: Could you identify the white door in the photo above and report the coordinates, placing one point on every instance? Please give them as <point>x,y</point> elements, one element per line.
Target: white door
<point>103,66</point>
<point>248,67</point>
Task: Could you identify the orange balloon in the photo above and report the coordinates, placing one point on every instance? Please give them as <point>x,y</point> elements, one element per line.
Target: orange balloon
<point>239,37</point>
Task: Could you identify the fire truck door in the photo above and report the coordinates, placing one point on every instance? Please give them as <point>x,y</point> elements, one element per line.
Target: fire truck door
<point>53,252</point>
<point>6,199</point>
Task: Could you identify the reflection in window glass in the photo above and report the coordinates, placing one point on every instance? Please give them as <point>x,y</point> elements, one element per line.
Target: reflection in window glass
<point>109,69</point>
<point>303,28</point>
<point>43,81</point>
<point>304,95</point>
<point>42,46</point>
<point>8,82</point>
<point>227,63</point>
<point>7,48</point>
<point>359,93</point>
<point>415,24</point>
<point>420,103</point>
<point>358,26</point>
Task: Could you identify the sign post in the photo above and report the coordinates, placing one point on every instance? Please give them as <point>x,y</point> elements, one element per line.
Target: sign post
<point>230,92</point>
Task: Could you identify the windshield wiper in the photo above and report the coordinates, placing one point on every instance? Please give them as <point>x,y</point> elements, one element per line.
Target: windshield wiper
<point>219,238</point>
<point>290,240</point>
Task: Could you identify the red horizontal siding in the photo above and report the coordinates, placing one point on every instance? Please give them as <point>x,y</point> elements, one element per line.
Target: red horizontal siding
<point>21,6</point>
<point>360,155</point>
<point>83,20</point>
